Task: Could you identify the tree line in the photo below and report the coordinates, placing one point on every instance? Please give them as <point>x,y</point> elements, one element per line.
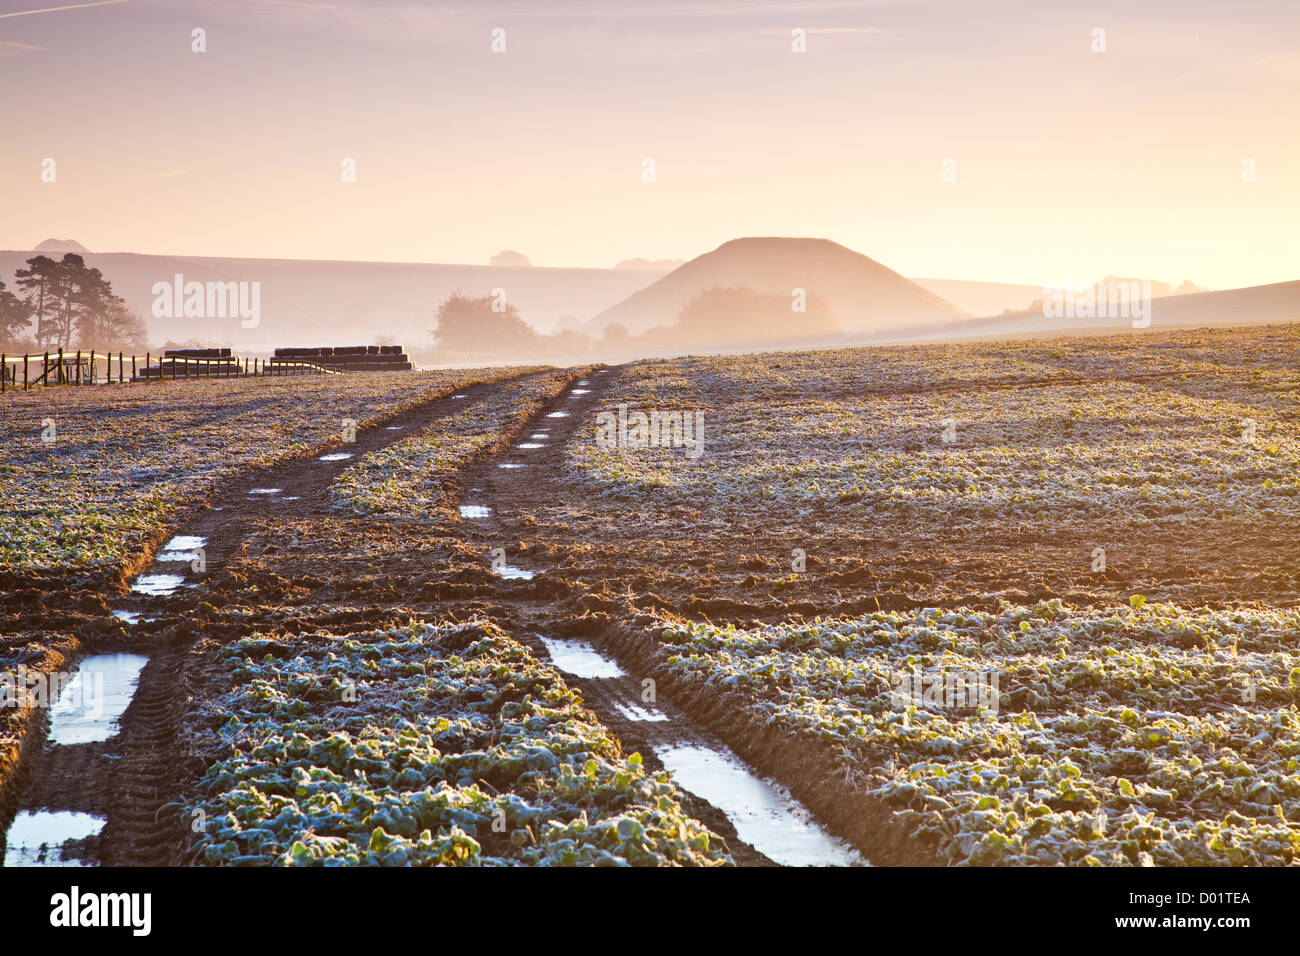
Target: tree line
<point>65,301</point>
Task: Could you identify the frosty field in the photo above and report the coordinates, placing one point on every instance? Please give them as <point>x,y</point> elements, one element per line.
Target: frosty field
<point>1017,604</point>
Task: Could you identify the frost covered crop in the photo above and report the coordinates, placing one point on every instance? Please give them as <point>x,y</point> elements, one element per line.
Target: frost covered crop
<point>423,745</point>
<point>1152,734</point>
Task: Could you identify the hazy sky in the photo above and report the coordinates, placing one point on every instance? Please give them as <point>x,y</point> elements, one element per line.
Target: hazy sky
<point>1067,161</point>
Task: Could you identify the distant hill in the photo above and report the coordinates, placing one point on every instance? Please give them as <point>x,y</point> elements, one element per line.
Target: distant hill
<point>864,295</point>
<point>1278,302</point>
<point>510,259</point>
<point>994,298</point>
<point>61,246</point>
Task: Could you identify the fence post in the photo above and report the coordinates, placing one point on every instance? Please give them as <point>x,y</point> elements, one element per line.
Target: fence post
<point>60,375</point>
<point>120,369</point>
<point>4,371</point>
<point>26,387</point>
<point>133,373</point>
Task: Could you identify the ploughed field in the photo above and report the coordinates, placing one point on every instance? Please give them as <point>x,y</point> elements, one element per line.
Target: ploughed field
<point>1014,603</point>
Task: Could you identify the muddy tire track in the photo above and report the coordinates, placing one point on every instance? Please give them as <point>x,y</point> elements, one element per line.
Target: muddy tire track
<point>136,777</point>
<point>510,487</point>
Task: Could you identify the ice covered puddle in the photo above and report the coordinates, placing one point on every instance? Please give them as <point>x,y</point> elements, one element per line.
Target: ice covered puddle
<point>475,511</point>
<point>580,659</point>
<point>511,464</point>
<point>512,573</point>
<point>764,815</point>
<point>266,491</point>
<point>637,713</point>
<point>529,444</point>
<point>157,585</point>
<point>557,415</point>
<point>90,704</point>
<point>336,456</point>
<point>183,547</point>
<point>36,837</point>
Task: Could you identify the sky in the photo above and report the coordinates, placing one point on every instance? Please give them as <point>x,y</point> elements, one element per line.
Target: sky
<point>958,139</point>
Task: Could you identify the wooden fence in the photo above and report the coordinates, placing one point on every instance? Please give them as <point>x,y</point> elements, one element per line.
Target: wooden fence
<point>52,369</point>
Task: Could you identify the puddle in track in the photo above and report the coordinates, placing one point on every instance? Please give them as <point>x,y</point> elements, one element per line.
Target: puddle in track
<point>475,511</point>
<point>393,428</point>
<point>36,837</point>
<point>584,382</point>
<point>512,573</point>
<point>511,464</point>
<point>580,659</point>
<point>640,714</point>
<point>530,444</point>
<point>266,491</point>
<point>182,548</point>
<point>557,415</point>
<point>90,704</point>
<point>336,456</point>
<point>580,391</point>
<point>765,815</point>
<point>157,585</point>
<point>130,617</point>
<point>460,396</point>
